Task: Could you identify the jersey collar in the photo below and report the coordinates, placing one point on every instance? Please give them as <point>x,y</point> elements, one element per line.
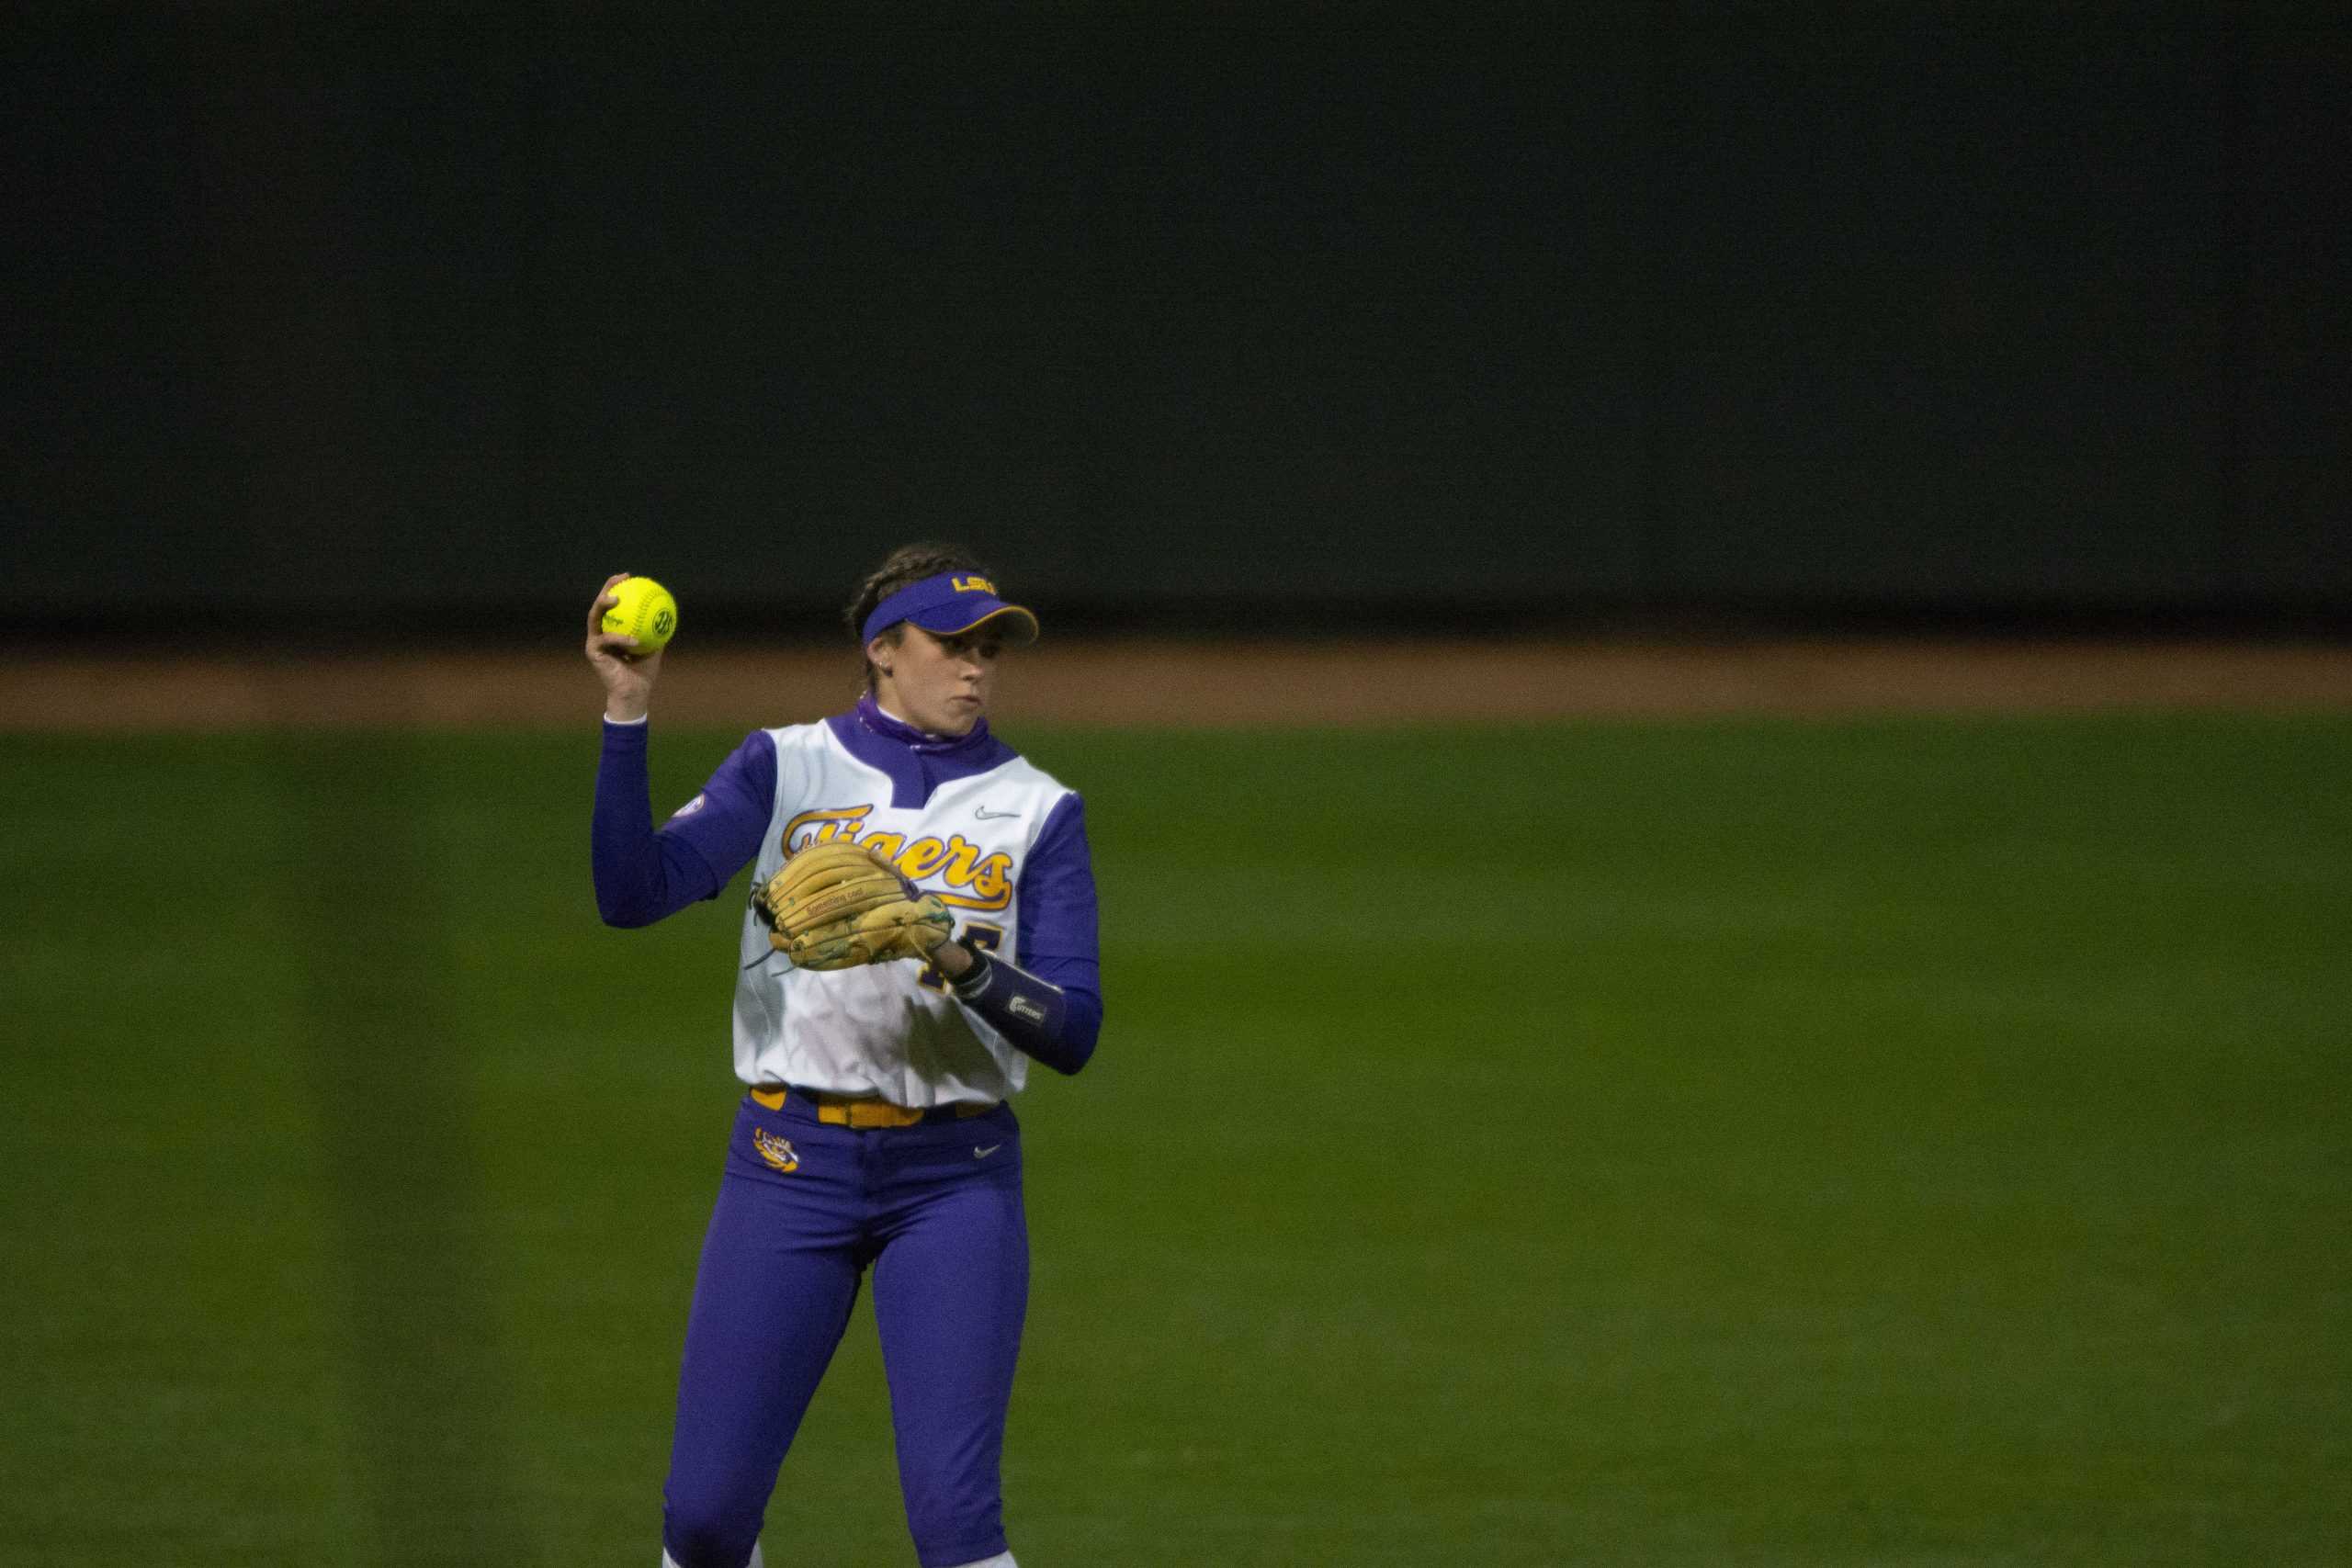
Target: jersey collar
<point>870,714</point>
<point>916,761</point>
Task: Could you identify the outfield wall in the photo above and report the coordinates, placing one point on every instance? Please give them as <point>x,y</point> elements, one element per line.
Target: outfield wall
<point>1942,306</point>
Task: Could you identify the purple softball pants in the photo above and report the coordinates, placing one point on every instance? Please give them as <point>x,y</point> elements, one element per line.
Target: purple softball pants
<point>804,1210</point>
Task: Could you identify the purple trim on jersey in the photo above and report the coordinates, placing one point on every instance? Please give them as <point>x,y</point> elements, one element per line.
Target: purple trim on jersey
<point>641,875</point>
<point>949,603</point>
<point>917,760</point>
<point>1058,935</point>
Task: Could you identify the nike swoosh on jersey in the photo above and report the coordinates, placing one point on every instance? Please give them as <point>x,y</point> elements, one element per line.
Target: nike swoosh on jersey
<point>979,1153</point>
<point>985,815</point>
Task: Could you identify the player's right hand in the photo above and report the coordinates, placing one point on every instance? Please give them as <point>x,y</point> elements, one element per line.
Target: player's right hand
<point>627,675</point>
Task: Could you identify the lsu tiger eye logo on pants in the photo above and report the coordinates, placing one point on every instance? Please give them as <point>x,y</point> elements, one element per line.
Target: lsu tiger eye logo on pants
<point>777,1152</point>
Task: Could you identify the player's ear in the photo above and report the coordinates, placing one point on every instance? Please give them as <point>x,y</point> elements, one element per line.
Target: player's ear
<point>879,647</point>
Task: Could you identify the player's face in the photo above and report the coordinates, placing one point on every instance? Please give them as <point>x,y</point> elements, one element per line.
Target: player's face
<point>938,683</point>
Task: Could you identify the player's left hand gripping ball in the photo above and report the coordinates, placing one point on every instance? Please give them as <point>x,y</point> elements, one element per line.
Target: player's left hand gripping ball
<point>837,905</point>
<point>645,610</point>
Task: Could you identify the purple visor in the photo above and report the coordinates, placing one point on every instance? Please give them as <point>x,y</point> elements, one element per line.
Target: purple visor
<point>951,603</point>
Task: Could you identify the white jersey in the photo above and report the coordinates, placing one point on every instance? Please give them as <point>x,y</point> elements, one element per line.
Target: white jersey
<point>881,1029</point>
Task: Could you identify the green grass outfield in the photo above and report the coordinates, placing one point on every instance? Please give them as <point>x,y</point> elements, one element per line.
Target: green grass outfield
<point>1917,1142</point>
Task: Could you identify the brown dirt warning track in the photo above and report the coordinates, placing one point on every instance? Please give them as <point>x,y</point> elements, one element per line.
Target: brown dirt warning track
<point>1227,684</point>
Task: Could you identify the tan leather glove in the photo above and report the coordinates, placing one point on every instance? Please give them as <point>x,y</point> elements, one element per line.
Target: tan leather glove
<point>836,906</point>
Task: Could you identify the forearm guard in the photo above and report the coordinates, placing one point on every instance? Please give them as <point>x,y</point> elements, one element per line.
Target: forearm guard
<point>1033,1014</point>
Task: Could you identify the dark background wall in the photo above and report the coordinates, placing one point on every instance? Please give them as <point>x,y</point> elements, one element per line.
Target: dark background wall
<point>1182,314</point>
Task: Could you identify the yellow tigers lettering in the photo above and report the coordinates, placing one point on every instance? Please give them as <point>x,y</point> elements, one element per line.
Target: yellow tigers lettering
<point>991,885</point>
<point>974,881</point>
<point>961,855</point>
<point>824,827</point>
<point>960,863</point>
<point>922,858</point>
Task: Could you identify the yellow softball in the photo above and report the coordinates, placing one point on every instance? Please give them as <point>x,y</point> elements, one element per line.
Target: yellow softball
<point>646,612</point>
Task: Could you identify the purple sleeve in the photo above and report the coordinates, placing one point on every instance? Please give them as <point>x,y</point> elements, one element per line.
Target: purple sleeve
<point>1057,938</point>
<point>643,875</point>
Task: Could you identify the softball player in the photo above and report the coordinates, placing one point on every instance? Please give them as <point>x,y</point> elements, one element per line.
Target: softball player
<point>875,1134</point>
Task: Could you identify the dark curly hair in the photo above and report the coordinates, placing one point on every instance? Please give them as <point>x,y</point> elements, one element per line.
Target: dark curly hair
<point>907,564</point>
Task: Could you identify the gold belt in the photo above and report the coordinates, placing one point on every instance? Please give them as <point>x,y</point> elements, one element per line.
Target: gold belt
<point>843,1112</point>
